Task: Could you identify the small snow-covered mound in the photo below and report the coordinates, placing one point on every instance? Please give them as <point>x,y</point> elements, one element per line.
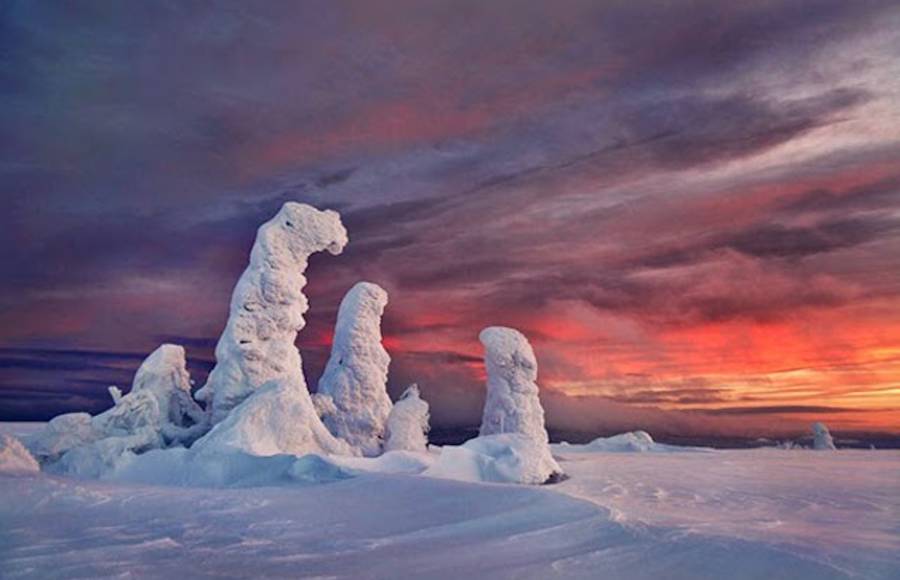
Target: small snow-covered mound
<point>278,418</point>
<point>62,433</point>
<point>14,458</point>
<point>634,441</point>
<point>407,425</point>
<point>356,374</point>
<point>502,458</point>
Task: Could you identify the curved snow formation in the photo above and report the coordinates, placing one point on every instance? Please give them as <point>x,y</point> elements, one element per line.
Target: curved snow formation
<point>356,374</point>
<point>512,404</point>
<point>407,423</point>
<point>14,458</point>
<point>278,418</point>
<point>268,305</point>
<point>822,437</point>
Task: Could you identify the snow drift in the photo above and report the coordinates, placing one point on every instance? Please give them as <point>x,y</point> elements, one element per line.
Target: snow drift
<point>501,458</point>
<point>268,305</point>
<point>407,424</point>
<point>355,378</point>
<point>632,442</point>
<point>279,418</point>
<point>14,458</point>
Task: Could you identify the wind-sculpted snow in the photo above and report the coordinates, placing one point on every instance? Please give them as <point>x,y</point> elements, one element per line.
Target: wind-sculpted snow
<point>14,458</point>
<point>277,418</point>
<point>741,515</point>
<point>157,412</point>
<point>268,305</point>
<point>407,424</point>
<point>512,404</point>
<point>355,377</point>
<point>632,442</point>
<point>822,440</point>
<point>501,458</point>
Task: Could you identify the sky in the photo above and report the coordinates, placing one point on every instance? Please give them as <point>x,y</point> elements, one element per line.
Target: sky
<point>692,209</point>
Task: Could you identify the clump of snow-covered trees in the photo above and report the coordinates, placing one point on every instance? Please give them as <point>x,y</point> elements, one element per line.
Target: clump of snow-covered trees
<point>257,404</point>
<point>822,440</point>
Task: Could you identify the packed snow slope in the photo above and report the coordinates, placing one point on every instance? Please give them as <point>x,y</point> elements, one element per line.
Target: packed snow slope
<point>726,514</point>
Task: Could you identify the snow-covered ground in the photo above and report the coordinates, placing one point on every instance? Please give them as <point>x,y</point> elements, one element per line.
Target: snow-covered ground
<point>716,514</point>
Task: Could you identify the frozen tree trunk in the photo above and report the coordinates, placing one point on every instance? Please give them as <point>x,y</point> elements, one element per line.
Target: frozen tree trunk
<point>512,404</point>
<point>407,423</point>
<point>268,305</point>
<point>822,437</point>
<point>355,377</point>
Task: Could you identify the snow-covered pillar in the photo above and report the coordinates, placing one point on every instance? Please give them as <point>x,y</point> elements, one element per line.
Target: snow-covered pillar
<point>407,424</point>
<point>268,305</point>
<point>355,377</point>
<point>822,437</point>
<point>512,404</point>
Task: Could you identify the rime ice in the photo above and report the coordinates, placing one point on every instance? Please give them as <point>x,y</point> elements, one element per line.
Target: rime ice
<point>355,377</point>
<point>268,305</point>
<point>512,404</point>
<point>407,424</point>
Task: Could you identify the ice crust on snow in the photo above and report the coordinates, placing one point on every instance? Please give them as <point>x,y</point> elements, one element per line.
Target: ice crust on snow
<point>355,378</point>
<point>268,305</point>
<point>512,404</point>
<point>500,458</point>
<point>15,458</point>
<point>822,440</point>
<point>407,423</point>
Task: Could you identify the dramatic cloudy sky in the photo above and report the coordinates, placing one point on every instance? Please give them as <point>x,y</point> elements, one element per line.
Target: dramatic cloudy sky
<point>691,208</point>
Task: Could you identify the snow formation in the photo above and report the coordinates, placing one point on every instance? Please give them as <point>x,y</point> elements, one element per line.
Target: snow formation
<point>157,412</point>
<point>512,404</point>
<point>268,305</point>
<point>407,424</point>
<point>355,377</point>
<point>14,458</point>
<point>277,418</point>
<point>822,437</point>
<point>501,458</point>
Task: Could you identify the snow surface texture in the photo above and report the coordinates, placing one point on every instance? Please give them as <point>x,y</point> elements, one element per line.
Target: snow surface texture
<point>407,423</point>
<point>512,404</point>
<point>822,440</point>
<point>268,305</point>
<point>680,516</point>
<point>278,418</point>
<point>501,458</point>
<point>355,377</point>
<point>14,458</point>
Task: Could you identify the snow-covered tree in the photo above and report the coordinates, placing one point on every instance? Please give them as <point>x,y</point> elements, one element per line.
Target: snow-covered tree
<point>268,305</point>
<point>512,404</point>
<point>822,437</point>
<point>356,374</point>
<point>407,423</point>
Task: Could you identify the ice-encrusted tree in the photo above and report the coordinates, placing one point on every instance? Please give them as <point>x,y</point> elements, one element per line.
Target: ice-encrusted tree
<point>257,391</point>
<point>512,404</point>
<point>822,437</point>
<point>268,305</point>
<point>355,377</point>
<point>407,424</point>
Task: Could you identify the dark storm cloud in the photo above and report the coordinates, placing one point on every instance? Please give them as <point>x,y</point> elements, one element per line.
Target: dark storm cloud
<point>485,158</point>
<point>780,409</point>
